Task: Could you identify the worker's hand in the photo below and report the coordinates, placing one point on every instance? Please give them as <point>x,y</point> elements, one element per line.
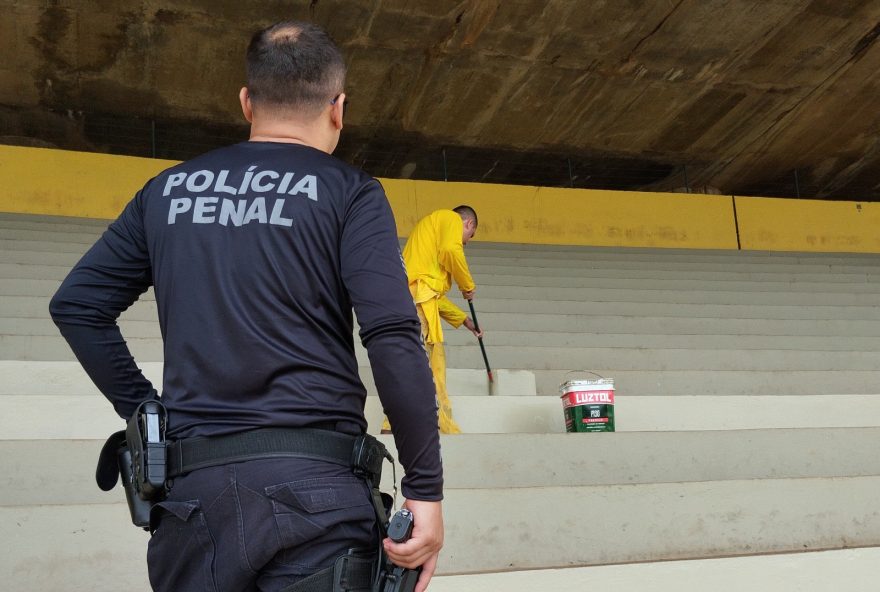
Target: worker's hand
<point>473,328</point>
<point>423,548</point>
<point>469,295</point>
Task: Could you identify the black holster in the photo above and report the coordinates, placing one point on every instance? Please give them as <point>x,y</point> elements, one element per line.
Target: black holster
<point>138,456</point>
<point>352,572</point>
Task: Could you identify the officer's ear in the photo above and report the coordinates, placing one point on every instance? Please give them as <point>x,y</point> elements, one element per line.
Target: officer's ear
<point>247,108</point>
<point>337,111</point>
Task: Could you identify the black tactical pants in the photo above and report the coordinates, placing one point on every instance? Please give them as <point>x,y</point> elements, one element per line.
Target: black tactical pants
<point>257,526</point>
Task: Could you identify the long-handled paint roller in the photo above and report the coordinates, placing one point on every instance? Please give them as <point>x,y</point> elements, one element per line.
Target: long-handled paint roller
<point>480,339</point>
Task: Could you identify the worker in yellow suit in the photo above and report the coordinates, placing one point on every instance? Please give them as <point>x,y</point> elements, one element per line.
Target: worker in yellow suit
<point>434,257</point>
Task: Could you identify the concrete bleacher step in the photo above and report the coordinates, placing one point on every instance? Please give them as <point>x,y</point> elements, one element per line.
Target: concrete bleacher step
<point>539,324</point>
<point>39,388</point>
<point>671,325</point>
<point>783,311</point>
<point>16,264</point>
<point>849,570</point>
<point>716,382</point>
<point>36,305</point>
<point>559,359</point>
<point>37,339</point>
<point>563,316</point>
<point>762,285</point>
<point>648,265</point>
<point>538,277</point>
<point>490,462</point>
<point>634,358</point>
<point>516,414</point>
<point>65,538</point>
<point>14,253</point>
<point>839,296</point>
<point>601,271</point>
<point>706,497</point>
<point>67,378</point>
<point>42,416</point>
<point>581,340</point>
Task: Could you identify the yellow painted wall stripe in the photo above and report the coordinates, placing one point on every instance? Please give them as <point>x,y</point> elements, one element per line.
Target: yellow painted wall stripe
<point>542,215</point>
<point>773,224</point>
<point>67,183</point>
<point>90,185</point>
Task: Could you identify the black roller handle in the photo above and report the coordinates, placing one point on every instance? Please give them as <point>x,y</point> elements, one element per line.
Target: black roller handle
<point>480,339</point>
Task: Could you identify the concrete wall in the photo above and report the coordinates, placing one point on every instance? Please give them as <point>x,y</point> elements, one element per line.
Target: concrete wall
<point>55,182</point>
<point>553,216</point>
<point>808,225</point>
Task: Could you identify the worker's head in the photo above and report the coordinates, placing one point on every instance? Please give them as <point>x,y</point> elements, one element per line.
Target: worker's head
<point>469,220</point>
<point>295,76</point>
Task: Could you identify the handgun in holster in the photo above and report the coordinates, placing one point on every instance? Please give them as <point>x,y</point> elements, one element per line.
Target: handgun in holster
<point>137,455</point>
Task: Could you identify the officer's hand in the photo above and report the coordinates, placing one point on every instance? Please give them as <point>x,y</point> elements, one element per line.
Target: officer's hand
<point>469,295</point>
<point>473,328</point>
<point>423,547</point>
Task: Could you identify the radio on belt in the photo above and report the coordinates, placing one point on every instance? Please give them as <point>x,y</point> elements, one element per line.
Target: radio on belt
<point>394,578</point>
<point>400,527</point>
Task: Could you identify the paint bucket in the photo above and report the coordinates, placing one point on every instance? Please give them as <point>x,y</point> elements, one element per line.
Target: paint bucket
<point>588,405</point>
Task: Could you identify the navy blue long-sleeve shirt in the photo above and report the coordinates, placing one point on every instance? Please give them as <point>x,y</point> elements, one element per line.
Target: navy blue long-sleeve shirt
<point>257,253</point>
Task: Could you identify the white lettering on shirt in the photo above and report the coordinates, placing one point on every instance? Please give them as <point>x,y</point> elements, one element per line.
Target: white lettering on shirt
<point>173,181</point>
<point>308,185</point>
<point>204,206</point>
<point>213,209</point>
<point>178,205</point>
<point>230,210</point>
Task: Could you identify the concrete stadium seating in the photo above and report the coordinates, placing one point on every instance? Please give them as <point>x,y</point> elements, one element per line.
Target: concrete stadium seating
<point>748,412</point>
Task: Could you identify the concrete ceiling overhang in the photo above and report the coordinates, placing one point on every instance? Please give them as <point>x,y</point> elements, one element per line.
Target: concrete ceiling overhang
<point>762,97</point>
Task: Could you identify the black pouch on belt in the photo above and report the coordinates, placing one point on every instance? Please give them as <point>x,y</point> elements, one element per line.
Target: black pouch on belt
<point>366,461</point>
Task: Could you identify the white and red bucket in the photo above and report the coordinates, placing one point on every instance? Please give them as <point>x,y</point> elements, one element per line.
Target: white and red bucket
<point>588,405</point>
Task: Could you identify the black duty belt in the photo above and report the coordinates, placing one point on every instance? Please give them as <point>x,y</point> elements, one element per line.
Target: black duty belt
<point>191,454</point>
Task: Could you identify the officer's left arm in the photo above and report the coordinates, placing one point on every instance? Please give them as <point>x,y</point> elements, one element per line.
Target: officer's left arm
<point>105,282</point>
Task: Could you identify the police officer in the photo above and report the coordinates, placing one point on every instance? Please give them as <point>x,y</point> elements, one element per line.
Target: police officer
<point>258,252</point>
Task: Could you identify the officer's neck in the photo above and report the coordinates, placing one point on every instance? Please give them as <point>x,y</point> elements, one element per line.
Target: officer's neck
<point>292,132</point>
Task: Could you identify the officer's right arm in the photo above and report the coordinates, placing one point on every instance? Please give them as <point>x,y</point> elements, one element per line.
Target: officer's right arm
<point>373,273</point>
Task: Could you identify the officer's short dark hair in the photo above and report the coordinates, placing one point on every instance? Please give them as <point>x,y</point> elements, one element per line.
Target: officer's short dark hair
<point>467,213</point>
<point>294,66</point>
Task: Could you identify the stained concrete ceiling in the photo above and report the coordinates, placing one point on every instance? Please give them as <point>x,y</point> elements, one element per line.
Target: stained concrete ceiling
<point>752,97</point>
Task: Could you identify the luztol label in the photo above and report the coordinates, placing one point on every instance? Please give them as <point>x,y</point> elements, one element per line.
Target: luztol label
<point>589,397</point>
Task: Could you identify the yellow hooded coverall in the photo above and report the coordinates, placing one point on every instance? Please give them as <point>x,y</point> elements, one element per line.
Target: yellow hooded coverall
<point>434,256</point>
